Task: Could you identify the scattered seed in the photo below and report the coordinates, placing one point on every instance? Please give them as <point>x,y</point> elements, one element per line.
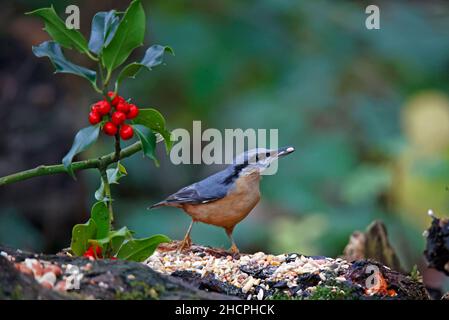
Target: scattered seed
<point>48,277</point>
<point>260,295</point>
<point>248,285</point>
<point>53,268</point>
<point>24,269</point>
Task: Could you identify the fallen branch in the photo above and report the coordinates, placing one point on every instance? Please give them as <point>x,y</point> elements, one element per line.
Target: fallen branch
<point>202,273</point>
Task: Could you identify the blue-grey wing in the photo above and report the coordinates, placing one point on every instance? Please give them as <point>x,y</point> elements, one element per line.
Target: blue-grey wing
<point>210,189</point>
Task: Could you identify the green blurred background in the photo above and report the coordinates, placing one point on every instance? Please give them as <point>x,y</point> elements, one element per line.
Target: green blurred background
<point>368,112</point>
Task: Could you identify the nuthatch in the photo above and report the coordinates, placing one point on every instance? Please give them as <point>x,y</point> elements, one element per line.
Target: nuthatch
<point>226,197</point>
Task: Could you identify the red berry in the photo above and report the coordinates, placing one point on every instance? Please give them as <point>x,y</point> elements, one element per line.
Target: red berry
<point>95,108</point>
<point>102,107</point>
<point>126,132</point>
<point>91,254</point>
<point>122,107</point>
<point>110,129</point>
<point>115,98</point>
<point>94,117</point>
<point>118,118</point>
<point>133,111</point>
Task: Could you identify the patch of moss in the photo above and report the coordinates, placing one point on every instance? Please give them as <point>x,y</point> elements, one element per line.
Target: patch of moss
<point>333,290</point>
<point>329,293</point>
<point>280,295</point>
<point>415,275</point>
<point>17,293</point>
<point>139,291</point>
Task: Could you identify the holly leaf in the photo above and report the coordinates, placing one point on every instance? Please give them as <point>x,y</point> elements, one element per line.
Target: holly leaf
<point>114,175</point>
<point>129,35</point>
<point>100,214</point>
<point>83,140</point>
<point>81,233</point>
<point>153,119</point>
<point>115,239</point>
<point>152,58</point>
<point>104,27</point>
<point>148,140</point>
<point>53,51</point>
<point>56,28</point>
<point>140,249</point>
<point>118,237</point>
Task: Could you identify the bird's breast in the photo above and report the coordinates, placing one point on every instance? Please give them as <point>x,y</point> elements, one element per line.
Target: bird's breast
<point>234,207</point>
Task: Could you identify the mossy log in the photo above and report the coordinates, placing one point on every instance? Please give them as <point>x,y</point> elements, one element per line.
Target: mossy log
<point>118,279</point>
<point>104,279</point>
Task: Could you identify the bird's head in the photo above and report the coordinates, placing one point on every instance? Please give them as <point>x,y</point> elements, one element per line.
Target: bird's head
<point>259,159</point>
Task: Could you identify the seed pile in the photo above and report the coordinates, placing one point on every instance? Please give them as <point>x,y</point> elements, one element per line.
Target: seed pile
<point>257,276</point>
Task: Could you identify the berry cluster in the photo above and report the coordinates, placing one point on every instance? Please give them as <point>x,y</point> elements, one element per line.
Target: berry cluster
<point>117,115</point>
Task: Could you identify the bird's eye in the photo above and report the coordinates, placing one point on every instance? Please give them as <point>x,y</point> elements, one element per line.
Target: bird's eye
<point>267,154</point>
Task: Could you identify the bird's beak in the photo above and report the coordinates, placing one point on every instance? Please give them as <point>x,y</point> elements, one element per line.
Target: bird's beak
<point>285,151</point>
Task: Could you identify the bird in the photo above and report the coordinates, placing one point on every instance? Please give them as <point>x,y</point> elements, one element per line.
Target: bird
<point>226,197</point>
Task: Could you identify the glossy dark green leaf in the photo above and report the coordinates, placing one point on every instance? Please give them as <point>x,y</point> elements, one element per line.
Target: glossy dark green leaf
<point>118,237</point>
<point>53,51</point>
<point>114,240</point>
<point>56,28</point>
<point>129,35</point>
<point>100,214</point>
<point>153,57</point>
<point>153,119</point>
<point>81,234</point>
<point>148,140</point>
<point>140,249</point>
<point>114,175</point>
<point>83,140</point>
<point>104,26</point>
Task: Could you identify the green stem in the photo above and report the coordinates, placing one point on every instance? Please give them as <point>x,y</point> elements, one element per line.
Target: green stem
<point>108,78</point>
<point>116,156</point>
<point>98,90</point>
<point>45,170</point>
<point>91,56</point>
<point>117,135</point>
<point>117,147</point>
<point>107,192</point>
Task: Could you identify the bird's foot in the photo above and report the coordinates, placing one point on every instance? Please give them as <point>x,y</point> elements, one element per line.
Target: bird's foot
<point>185,244</point>
<point>233,249</point>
